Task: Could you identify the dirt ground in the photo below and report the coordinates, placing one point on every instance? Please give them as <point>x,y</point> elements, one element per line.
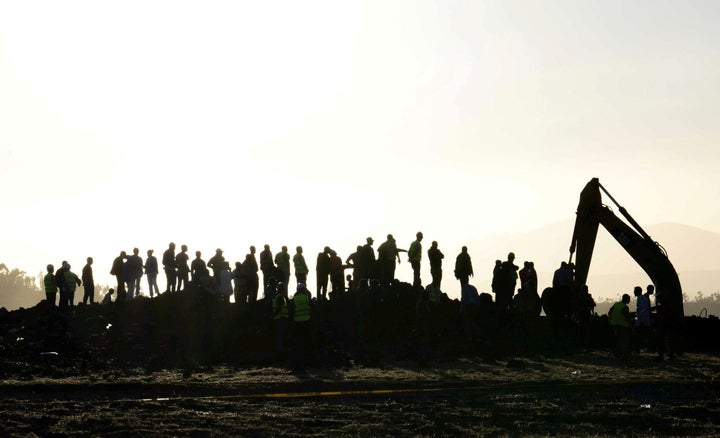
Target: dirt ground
<point>584,394</point>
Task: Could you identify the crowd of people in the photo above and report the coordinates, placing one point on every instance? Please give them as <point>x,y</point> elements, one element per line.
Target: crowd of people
<point>216,278</point>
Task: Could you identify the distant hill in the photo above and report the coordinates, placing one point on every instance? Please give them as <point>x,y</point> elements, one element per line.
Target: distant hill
<point>693,252</point>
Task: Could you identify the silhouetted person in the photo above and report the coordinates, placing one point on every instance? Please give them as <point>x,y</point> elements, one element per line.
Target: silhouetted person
<point>469,310</point>
<point>301,269</point>
<point>117,270</point>
<point>240,289</point>
<point>88,282</point>
<point>354,261</point>
<point>168,261</point>
<point>134,272</point>
<point>67,293</point>
<point>183,269</point>
<point>253,281</point>
<point>302,322</point>
<point>280,316</point>
<point>619,319</point>
<point>322,272</point>
<point>225,286</point>
<point>60,282</point>
<point>266,266</point>
<point>415,257</point>
<point>151,271</point>
<point>107,299</point>
<point>282,260</point>
<point>216,263</point>
<point>496,277</point>
<point>463,266</point>
<point>528,278</point>
<point>507,281</point>
<point>51,287</point>
<point>367,265</point>
<point>198,268</point>
<point>388,254</point>
<point>337,280</point>
<point>435,256</point>
<point>666,328</point>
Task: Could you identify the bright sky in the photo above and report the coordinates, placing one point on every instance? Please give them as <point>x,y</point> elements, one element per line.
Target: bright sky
<point>226,124</point>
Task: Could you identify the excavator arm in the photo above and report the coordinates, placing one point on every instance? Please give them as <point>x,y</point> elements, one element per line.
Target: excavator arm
<point>651,257</point>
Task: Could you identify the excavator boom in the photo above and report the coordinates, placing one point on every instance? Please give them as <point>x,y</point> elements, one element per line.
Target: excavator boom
<point>591,213</point>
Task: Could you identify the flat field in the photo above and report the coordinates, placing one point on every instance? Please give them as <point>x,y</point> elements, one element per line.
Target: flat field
<point>583,394</point>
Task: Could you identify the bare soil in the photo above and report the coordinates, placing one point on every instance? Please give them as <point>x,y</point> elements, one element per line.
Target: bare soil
<point>585,394</point>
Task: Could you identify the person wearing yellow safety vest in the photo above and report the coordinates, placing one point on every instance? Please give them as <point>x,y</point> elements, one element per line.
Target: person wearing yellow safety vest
<point>280,316</point>
<point>415,256</point>
<point>50,286</point>
<point>619,319</point>
<point>302,321</point>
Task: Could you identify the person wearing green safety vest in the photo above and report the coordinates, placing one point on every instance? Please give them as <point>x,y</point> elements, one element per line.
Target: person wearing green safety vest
<point>50,286</point>
<point>619,319</point>
<point>415,257</point>
<point>302,322</point>
<point>280,316</point>
<point>67,295</point>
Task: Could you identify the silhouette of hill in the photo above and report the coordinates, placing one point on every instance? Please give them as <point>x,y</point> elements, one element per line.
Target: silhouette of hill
<point>692,250</point>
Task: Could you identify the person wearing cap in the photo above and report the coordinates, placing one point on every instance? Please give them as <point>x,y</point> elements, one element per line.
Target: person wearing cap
<point>415,257</point>
<point>88,282</point>
<point>51,287</point>
<point>301,269</point>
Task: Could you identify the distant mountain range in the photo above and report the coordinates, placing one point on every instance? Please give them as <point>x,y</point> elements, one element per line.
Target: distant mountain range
<point>694,252</point>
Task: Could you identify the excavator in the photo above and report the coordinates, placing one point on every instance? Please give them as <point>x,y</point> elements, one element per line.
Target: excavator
<point>650,255</point>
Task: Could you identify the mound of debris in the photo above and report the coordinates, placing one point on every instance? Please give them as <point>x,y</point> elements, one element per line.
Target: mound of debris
<point>192,328</point>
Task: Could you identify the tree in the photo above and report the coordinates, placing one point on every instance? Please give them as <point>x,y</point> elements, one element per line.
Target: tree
<point>17,289</point>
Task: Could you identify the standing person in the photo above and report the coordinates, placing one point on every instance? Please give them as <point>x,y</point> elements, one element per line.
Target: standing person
<point>216,263</point>
<point>183,270</point>
<point>322,272</point>
<point>168,261</point>
<point>253,281</point>
<point>388,254</point>
<point>280,316</point>
<point>225,286</point>
<point>70,284</point>
<point>88,282</point>
<point>368,268</point>
<point>151,270</point>
<point>337,280</point>
<point>282,260</point>
<point>240,289</point>
<point>301,269</point>
<point>415,257</point>
<point>619,319</point>
<point>642,317</point>
<point>463,266</point>
<point>267,266</point>
<point>134,272</point>
<point>51,287</point>
<point>302,322</point>
<point>198,268</point>
<point>118,271</point>
<point>666,328</point>
<point>508,281</point>
<point>435,256</point>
